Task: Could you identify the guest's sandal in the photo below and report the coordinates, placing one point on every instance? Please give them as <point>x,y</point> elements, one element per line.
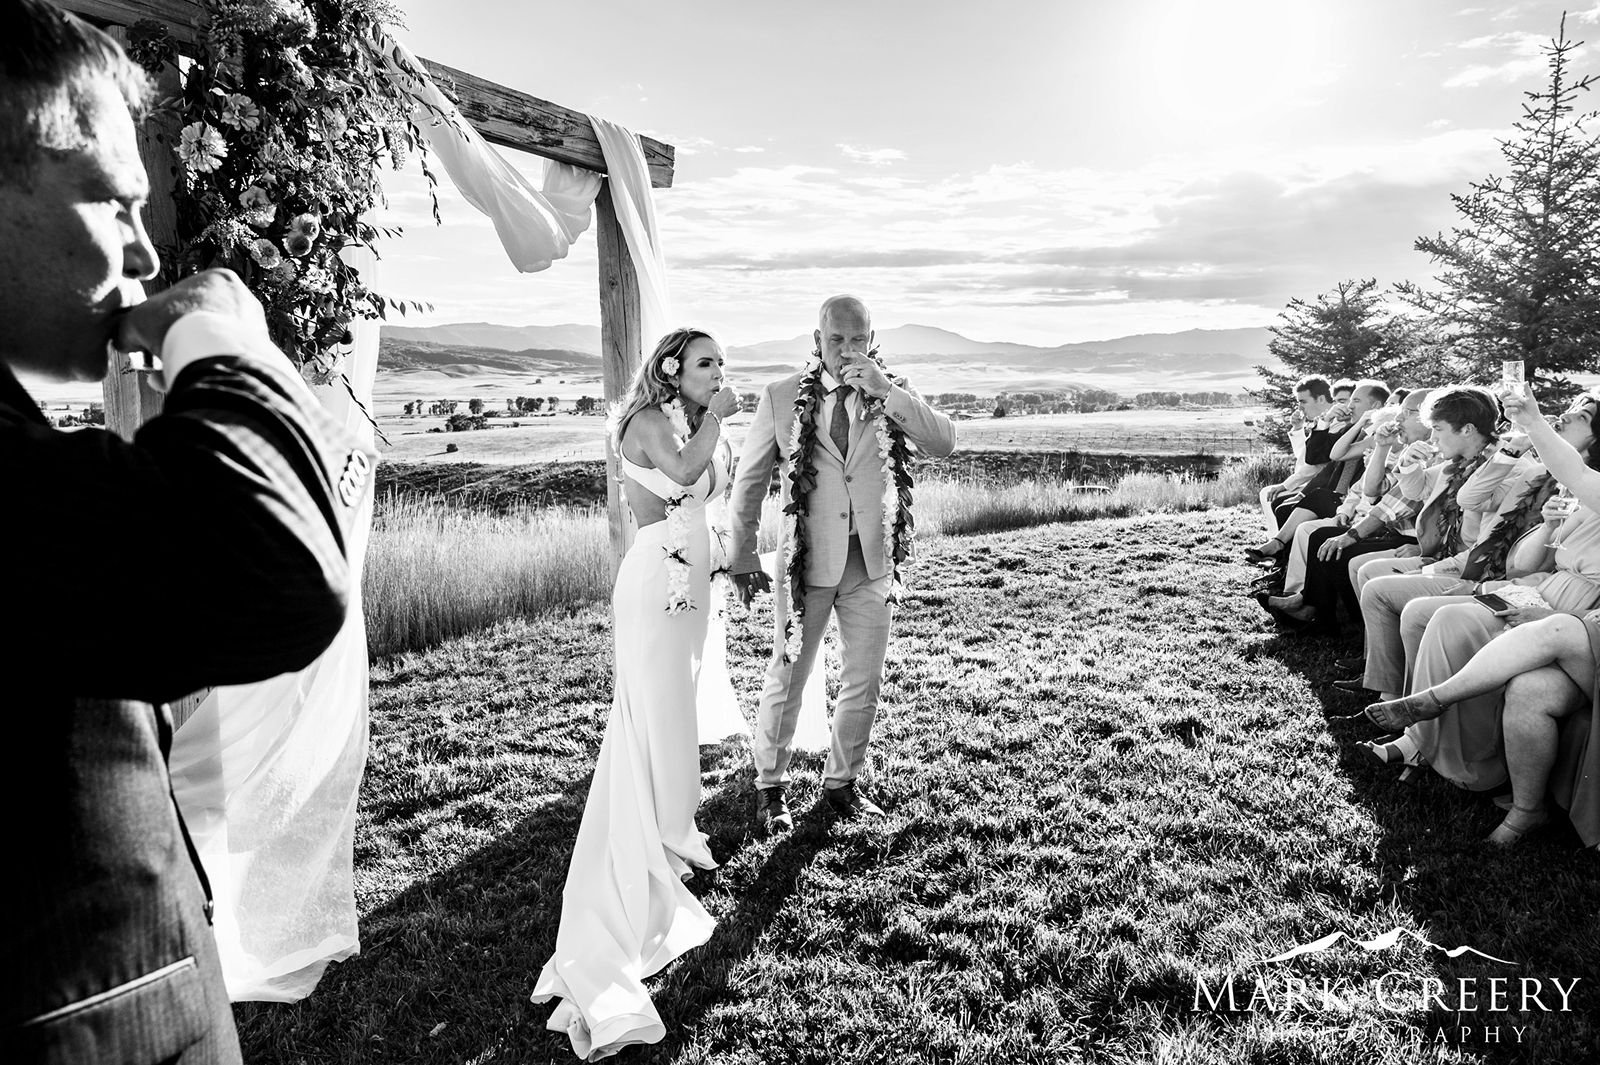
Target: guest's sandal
<point>1518,823</point>
<point>1397,715</point>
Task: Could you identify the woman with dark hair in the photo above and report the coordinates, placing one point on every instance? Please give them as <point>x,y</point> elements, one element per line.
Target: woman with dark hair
<point>625,911</point>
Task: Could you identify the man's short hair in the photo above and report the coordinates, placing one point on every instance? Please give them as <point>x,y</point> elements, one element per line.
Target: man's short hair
<point>844,302</point>
<point>1376,387</point>
<point>1344,384</point>
<point>1316,384</point>
<point>1399,395</point>
<point>48,62</point>
<point>1460,406</point>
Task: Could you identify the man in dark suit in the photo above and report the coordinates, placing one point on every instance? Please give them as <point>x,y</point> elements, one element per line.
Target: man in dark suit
<point>227,506</point>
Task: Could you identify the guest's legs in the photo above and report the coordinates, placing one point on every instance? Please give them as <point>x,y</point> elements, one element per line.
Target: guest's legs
<point>1535,701</point>
<point>1559,640</point>
<point>1382,604</point>
<point>1294,574</point>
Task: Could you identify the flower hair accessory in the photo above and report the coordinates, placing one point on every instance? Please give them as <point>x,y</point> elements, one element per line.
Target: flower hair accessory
<point>895,453</point>
<point>670,366</point>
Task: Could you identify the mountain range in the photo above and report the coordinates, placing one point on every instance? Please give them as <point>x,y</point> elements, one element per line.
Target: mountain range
<point>1192,360</point>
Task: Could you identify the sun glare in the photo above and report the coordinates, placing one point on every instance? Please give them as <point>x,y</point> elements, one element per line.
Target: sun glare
<point>1223,67</point>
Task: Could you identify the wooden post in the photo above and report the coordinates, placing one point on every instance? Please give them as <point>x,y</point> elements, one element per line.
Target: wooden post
<point>130,399</point>
<point>619,347</point>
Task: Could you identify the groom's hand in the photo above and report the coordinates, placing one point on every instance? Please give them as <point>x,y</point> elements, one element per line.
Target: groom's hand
<point>749,584</point>
<point>861,372</point>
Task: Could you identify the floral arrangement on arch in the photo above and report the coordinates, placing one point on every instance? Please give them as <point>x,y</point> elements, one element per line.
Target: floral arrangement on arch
<point>287,110</point>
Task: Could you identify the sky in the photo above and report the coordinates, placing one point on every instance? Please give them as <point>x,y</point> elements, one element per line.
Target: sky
<point>1037,171</point>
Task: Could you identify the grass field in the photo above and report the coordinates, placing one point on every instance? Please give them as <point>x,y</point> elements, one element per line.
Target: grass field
<point>569,437</point>
<point>436,569</point>
<point>1107,778</point>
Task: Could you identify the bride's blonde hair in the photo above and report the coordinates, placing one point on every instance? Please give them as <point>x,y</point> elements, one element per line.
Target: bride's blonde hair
<point>652,386</point>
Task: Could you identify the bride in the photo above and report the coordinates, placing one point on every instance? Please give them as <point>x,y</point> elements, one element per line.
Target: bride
<point>625,911</point>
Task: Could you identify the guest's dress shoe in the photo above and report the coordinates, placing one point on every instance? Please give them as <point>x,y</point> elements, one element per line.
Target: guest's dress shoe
<point>1355,686</point>
<point>772,811</point>
<point>849,803</point>
<point>1353,665</point>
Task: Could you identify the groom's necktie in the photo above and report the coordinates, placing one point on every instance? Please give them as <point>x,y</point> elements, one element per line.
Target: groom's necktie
<point>839,424</point>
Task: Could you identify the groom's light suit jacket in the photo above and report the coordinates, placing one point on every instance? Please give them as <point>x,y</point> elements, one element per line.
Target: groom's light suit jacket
<point>846,484</point>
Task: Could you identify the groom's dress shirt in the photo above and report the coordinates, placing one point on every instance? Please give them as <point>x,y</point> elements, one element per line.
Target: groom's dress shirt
<point>830,403</point>
<point>208,550</point>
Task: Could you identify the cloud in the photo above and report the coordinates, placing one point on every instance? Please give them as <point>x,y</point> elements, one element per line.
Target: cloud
<point>1525,58</point>
<point>875,156</point>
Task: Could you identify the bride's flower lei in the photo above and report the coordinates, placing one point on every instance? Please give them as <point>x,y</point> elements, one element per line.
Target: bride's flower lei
<point>894,450</point>
<point>677,546</point>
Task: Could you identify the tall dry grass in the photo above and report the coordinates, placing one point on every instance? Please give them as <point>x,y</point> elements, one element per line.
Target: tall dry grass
<point>435,571</point>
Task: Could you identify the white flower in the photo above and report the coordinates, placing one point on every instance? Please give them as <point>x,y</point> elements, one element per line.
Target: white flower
<point>308,224</point>
<point>201,148</point>
<point>265,253</point>
<point>669,365</point>
<point>241,112</point>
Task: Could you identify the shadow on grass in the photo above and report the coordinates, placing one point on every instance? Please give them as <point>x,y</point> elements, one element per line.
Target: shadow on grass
<point>1533,906</point>
<point>447,965</point>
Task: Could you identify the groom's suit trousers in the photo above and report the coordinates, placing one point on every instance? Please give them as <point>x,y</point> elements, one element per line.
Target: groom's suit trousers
<point>864,616</point>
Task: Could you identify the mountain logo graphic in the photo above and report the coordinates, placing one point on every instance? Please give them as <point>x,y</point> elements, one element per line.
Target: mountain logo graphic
<point>1383,942</point>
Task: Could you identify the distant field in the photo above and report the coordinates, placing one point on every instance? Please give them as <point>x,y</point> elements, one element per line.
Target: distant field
<point>568,437</point>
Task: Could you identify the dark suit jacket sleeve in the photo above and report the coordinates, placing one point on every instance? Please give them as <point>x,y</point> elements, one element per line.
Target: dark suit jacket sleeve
<point>1319,445</point>
<point>210,550</point>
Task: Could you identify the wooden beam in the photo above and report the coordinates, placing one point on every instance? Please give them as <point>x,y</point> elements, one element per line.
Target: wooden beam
<point>503,115</point>
<point>516,120</point>
<point>619,348</point>
<point>131,400</point>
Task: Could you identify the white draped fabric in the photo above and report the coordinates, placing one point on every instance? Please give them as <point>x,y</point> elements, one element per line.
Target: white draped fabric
<point>266,776</point>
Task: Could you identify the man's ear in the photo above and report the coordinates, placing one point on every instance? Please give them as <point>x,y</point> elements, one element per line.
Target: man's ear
<point>816,338</point>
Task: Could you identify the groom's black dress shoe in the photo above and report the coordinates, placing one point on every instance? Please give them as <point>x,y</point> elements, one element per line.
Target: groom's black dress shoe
<point>772,812</point>
<point>1355,686</point>
<point>849,803</point>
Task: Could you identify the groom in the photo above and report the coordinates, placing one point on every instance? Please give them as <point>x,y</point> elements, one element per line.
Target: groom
<point>848,565</point>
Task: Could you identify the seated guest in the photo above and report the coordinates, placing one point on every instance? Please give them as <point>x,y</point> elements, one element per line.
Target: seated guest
<point>1462,420</point>
<point>234,504</point>
<point>1550,742</point>
<point>1464,745</point>
<point>1393,428</point>
<point>1520,485</point>
<point>1313,397</point>
<point>1322,494</point>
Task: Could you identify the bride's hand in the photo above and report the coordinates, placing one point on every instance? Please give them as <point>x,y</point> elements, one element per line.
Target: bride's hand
<point>724,402</point>
<point>748,584</point>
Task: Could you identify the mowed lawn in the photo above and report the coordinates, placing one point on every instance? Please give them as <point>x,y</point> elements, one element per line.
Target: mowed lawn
<point>1108,777</point>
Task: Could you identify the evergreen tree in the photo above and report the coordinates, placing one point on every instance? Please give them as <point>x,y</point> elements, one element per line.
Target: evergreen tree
<point>1346,332</point>
<point>1516,279</point>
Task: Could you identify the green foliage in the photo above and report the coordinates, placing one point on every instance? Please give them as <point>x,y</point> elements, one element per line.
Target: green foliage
<point>1517,277</point>
<point>286,111</point>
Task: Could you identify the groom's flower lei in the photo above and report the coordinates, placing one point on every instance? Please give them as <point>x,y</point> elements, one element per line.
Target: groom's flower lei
<point>899,529</point>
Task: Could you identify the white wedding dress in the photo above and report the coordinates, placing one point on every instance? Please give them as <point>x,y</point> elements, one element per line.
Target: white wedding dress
<point>625,911</point>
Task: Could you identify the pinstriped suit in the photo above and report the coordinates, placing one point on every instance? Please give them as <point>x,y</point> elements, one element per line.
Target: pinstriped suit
<point>847,576</point>
<point>229,501</point>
